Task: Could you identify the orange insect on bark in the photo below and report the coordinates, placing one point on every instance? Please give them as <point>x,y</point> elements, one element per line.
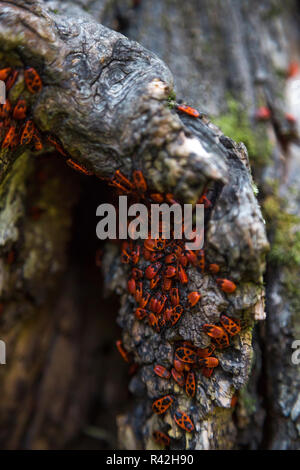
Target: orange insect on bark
<point>170,272</point>
<point>56,144</point>
<point>79,168</point>
<point>10,81</point>
<point>5,109</point>
<point>123,180</point>
<point>152,270</point>
<point>205,352</point>
<point>27,133</point>
<point>178,365</point>
<point>231,326</point>
<point>174,296</point>
<point>161,438</point>
<point>131,285</point>
<point>33,80</point>
<point>154,282</point>
<point>263,114</point>
<point>210,362</point>
<point>175,314</point>
<point>226,286</point>
<point>162,372</point>
<point>137,273</point>
<point>161,405</point>
<point>182,275</point>
<point>214,268</point>
<point>207,372</point>
<point>20,109</point>
<point>178,377</point>
<point>37,141</point>
<point>185,354</point>
<point>10,139</point>
<point>4,73</point>
<point>201,260</point>
<point>193,298</point>
<point>138,291</point>
<point>190,384</point>
<point>157,197</point>
<point>122,351</point>
<point>144,300</point>
<point>183,421</point>
<point>139,181</point>
<point>140,313</point>
<point>188,110</point>
<point>167,284</point>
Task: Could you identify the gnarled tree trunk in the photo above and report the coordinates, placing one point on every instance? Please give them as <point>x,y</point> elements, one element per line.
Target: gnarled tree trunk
<point>106,98</point>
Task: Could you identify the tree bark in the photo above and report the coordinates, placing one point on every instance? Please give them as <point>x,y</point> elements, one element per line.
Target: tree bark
<point>105,97</point>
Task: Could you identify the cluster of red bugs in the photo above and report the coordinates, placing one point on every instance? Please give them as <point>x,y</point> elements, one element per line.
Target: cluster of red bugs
<point>158,283</point>
<point>160,290</point>
<point>16,124</point>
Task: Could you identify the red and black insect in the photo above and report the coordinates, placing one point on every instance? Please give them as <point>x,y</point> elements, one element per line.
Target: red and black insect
<point>170,271</point>
<point>183,421</point>
<point>5,109</point>
<point>182,275</point>
<point>207,372</point>
<point>10,139</point>
<point>152,270</point>
<point>214,268</point>
<point>137,273</point>
<point>218,334</point>
<point>122,351</point>
<point>175,314</point>
<point>190,384</point>
<point>27,132</point>
<point>226,286</point>
<point>185,354</point>
<point>154,282</point>
<point>210,362</point>
<point>4,73</point>
<point>188,110</point>
<point>10,81</point>
<point>205,352</point>
<point>178,377</point>
<point>140,313</point>
<point>193,298</point>
<point>20,109</point>
<point>157,197</point>
<point>131,285</point>
<point>161,438</point>
<point>79,168</point>
<point>174,296</point>
<point>33,80</point>
<point>161,405</point>
<point>37,141</point>
<point>56,144</point>
<point>162,372</point>
<point>231,326</point>
<point>139,181</point>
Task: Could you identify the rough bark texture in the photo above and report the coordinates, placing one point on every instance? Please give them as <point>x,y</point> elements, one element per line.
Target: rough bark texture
<point>105,98</point>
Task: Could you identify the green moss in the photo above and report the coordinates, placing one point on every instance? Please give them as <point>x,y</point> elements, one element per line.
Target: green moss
<point>171,100</point>
<point>285,248</point>
<point>12,192</point>
<point>236,125</point>
<point>285,244</point>
<point>248,401</point>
